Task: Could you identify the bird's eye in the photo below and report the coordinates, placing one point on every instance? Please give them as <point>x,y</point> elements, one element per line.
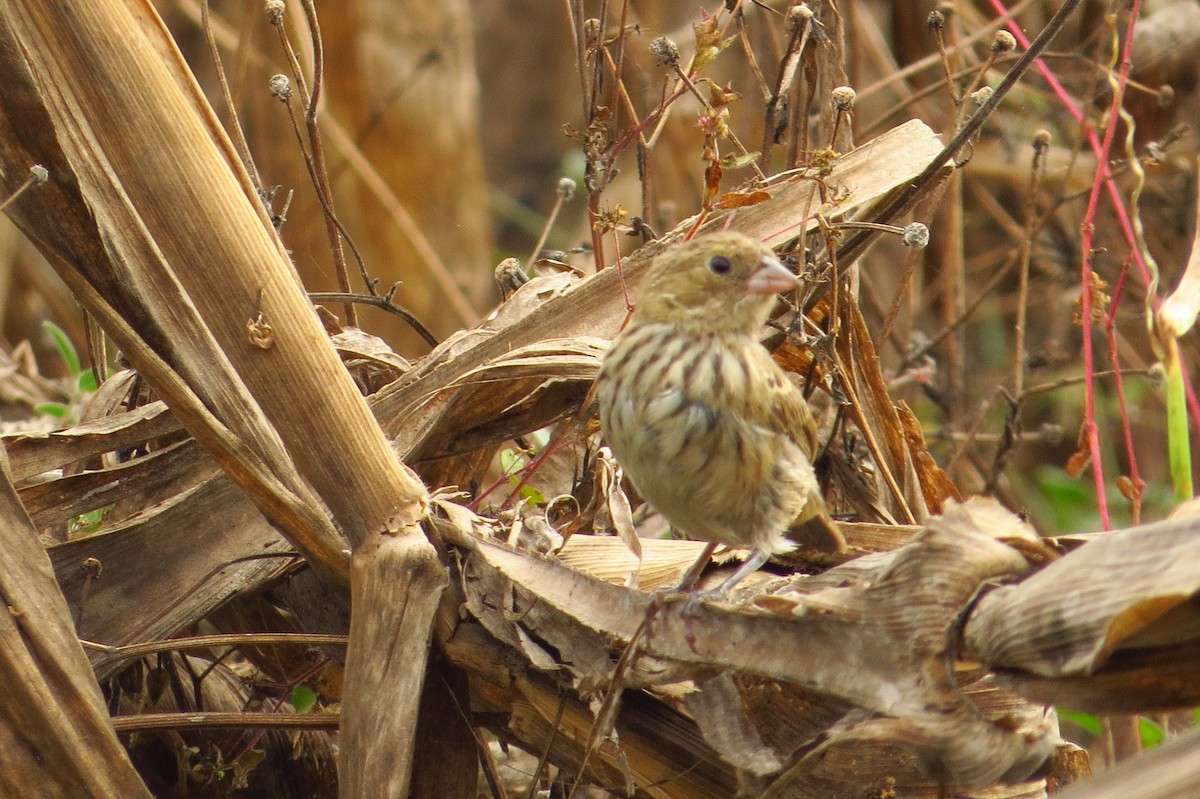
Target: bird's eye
<point>719,265</point>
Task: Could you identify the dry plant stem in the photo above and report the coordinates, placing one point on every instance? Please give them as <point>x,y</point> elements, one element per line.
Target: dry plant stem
<point>947,71</point>
<point>915,98</point>
<point>235,126</point>
<point>751,61</point>
<point>643,152</point>
<point>801,99</point>
<point>606,715</point>
<point>281,497</point>
<point>575,19</point>
<point>968,441</point>
<point>783,83</point>
<point>58,739</point>
<point>215,720</point>
<point>331,221</point>
<point>1032,223</point>
<point>889,479</point>
<point>203,642</point>
<point>172,254</point>
<point>541,242</point>
<point>318,170</point>
<point>954,289</point>
<point>395,584</point>
<point>1064,382</point>
<point>854,245</point>
<point>32,180</point>
<point>383,303</point>
<point>619,62</point>
<point>981,73</point>
<point>911,264</point>
<point>491,769</point>
<point>544,760</point>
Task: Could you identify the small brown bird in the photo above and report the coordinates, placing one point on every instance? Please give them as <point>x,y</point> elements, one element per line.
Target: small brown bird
<point>706,425</point>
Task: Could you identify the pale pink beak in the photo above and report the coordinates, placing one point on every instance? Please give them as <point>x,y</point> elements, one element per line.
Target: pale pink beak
<point>771,277</point>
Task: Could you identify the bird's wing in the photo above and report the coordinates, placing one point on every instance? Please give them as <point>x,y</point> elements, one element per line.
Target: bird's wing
<point>782,408</point>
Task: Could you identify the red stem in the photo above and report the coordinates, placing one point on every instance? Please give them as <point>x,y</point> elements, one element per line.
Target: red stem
<point>1103,178</point>
<point>1110,327</point>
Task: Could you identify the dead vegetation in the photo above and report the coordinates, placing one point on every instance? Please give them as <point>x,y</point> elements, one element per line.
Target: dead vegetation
<point>184,543</point>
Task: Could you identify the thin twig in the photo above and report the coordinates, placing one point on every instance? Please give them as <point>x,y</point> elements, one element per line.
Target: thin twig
<point>314,158</point>
<point>383,302</point>
<point>1037,172</point>
<point>235,124</point>
<point>797,40</point>
<point>854,244</point>
<point>319,170</point>
<point>37,176</point>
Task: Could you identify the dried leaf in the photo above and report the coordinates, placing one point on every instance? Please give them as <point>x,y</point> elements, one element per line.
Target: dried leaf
<point>1110,627</point>
<point>741,199</point>
<point>708,41</point>
<point>719,96</point>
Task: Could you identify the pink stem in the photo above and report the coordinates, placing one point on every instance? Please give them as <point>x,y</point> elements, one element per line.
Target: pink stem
<point>1103,177</point>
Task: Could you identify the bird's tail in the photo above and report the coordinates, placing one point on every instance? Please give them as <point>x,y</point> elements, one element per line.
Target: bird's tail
<point>817,531</point>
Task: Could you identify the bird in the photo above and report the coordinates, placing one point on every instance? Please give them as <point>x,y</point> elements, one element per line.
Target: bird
<point>706,426</point>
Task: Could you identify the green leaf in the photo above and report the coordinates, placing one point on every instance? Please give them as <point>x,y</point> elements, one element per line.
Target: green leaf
<point>733,161</point>
<point>304,699</point>
<point>1151,734</point>
<point>1179,449</point>
<point>55,409</point>
<point>511,461</point>
<point>89,521</point>
<point>1085,721</point>
<point>534,496</point>
<point>87,382</point>
<point>65,348</point>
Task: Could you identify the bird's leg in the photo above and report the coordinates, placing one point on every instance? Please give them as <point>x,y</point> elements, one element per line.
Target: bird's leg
<point>751,565</point>
<point>692,603</point>
<point>693,574</point>
<point>685,586</point>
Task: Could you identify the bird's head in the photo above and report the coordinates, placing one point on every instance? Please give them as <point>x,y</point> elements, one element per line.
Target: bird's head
<point>719,283</point>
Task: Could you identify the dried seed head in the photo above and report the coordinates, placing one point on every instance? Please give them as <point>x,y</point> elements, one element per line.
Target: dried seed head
<point>38,174</point>
<point>665,52</point>
<point>1050,433</point>
<point>1042,139</point>
<point>936,20</point>
<point>591,30</point>
<point>1003,42</point>
<point>510,276</point>
<point>280,87</point>
<point>843,98</point>
<point>566,188</point>
<point>274,9</point>
<point>981,95</point>
<point>916,235</point>
<point>1156,376</point>
<point>1166,95</point>
<point>798,16</point>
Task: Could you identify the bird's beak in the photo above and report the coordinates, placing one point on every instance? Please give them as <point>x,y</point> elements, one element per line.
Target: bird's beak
<point>771,277</point>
